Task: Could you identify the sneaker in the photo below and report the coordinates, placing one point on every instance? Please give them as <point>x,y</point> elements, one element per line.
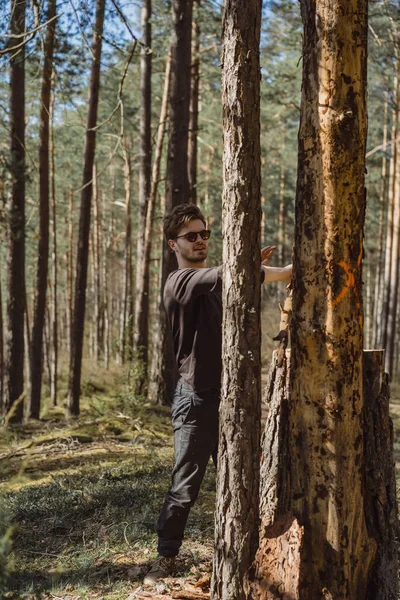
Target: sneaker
<point>161,568</point>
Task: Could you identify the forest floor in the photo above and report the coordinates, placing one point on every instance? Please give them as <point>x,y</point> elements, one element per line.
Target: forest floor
<point>82,498</point>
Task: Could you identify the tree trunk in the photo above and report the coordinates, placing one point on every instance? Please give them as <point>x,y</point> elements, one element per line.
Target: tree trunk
<point>383,325</point>
<point>393,284</point>
<point>240,412</point>
<point>54,310</point>
<point>141,325</point>
<point>39,311</point>
<point>14,371</point>
<point>2,400</point>
<point>126,314</point>
<point>331,549</point>
<point>84,220</point>
<point>280,533</point>
<point>155,383</point>
<point>194,106</point>
<point>177,183</point>
<point>380,251</point>
<point>96,268</point>
<point>106,336</point>
<point>70,268</point>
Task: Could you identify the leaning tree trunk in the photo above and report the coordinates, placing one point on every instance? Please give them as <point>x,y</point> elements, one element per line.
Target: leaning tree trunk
<point>141,325</point>
<point>39,310</point>
<point>177,182</point>
<point>236,536</point>
<point>14,368</point>
<point>84,220</point>
<point>329,549</point>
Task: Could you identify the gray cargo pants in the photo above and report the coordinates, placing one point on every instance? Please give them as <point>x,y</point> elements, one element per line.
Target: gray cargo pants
<point>195,423</point>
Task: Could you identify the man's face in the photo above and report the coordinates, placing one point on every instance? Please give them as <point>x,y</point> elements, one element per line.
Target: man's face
<point>192,252</point>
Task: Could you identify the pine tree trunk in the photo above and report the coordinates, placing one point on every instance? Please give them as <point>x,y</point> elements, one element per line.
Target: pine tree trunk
<point>194,106</point>
<point>278,557</point>
<point>96,268</point>
<point>14,369</point>
<point>155,383</point>
<point>141,325</point>
<point>70,268</point>
<point>39,311</point>
<point>106,337</point>
<point>393,286</point>
<point>126,315</point>
<point>84,221</point>
<point>380,251</point>
<point>331,549</point>
<point>237,522</point>
<point>54,307</point>
<point>177,182</point>
<point>2,400</point>
<point>383,326</point>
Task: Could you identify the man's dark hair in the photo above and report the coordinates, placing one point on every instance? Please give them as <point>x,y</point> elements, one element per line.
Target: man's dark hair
<point>179,217</point>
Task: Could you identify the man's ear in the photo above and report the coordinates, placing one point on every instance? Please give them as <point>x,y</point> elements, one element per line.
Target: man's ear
<point>171,244</point>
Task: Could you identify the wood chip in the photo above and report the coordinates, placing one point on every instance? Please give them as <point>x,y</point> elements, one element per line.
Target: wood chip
<point>186,594</point>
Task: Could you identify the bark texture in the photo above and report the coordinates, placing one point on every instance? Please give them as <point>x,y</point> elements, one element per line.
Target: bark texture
<point>36,353</point>
<point>281,536</point>
<point>84,220</point>
<point>164,371</point>
<point>14,368</point>
<point>239,441</point>
<point>335,551</point>
<point>141,324</point>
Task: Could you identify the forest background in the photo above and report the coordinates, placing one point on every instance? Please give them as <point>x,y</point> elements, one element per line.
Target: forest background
<point>109,358</point>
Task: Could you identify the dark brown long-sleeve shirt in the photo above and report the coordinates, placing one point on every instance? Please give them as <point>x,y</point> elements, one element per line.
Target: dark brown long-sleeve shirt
<point>193,302</point>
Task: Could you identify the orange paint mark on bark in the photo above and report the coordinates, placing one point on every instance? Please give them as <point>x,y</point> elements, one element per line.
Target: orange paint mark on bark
<point>350,284</point>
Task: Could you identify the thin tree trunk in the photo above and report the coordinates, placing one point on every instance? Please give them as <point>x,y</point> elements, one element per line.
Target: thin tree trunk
<point>141,324</point>
<point>39,311</point>
<point>14,371</point>
<point>2,399</point>
<point>194,106</point>
<point>54,311</point>
<point>96,267</point>
<point>383,327</point>
<point>282,207</point>
<point>382,211</point>
<point>84,221</point>
<point>70,268</point>
<point>236,537</point>
<point>126,314</point>
<point>106,336</point>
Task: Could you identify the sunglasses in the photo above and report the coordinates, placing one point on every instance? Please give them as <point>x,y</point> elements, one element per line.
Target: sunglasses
<point>192,235</point>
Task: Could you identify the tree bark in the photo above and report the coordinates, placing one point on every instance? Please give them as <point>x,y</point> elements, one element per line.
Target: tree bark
<point>334,550</point>
<point>39,311</point>
<point>281,534</point>
<point>239,440</point>
<point>14,370</point>
<point>164,371</point>
<point>126,313</point>
<point>141,325</point>
<point>84,220</point>
<point>194,106</point>
<point>54,308</point>
<point>155,383</point>
<point>382,211</point>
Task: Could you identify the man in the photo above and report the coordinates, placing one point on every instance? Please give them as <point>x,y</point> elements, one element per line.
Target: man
<point>193,303</point>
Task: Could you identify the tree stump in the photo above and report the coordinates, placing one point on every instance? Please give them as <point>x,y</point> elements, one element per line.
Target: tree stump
<point>278,556</point>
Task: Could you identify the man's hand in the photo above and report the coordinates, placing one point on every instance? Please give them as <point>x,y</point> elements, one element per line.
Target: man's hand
<point>266,254</point>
